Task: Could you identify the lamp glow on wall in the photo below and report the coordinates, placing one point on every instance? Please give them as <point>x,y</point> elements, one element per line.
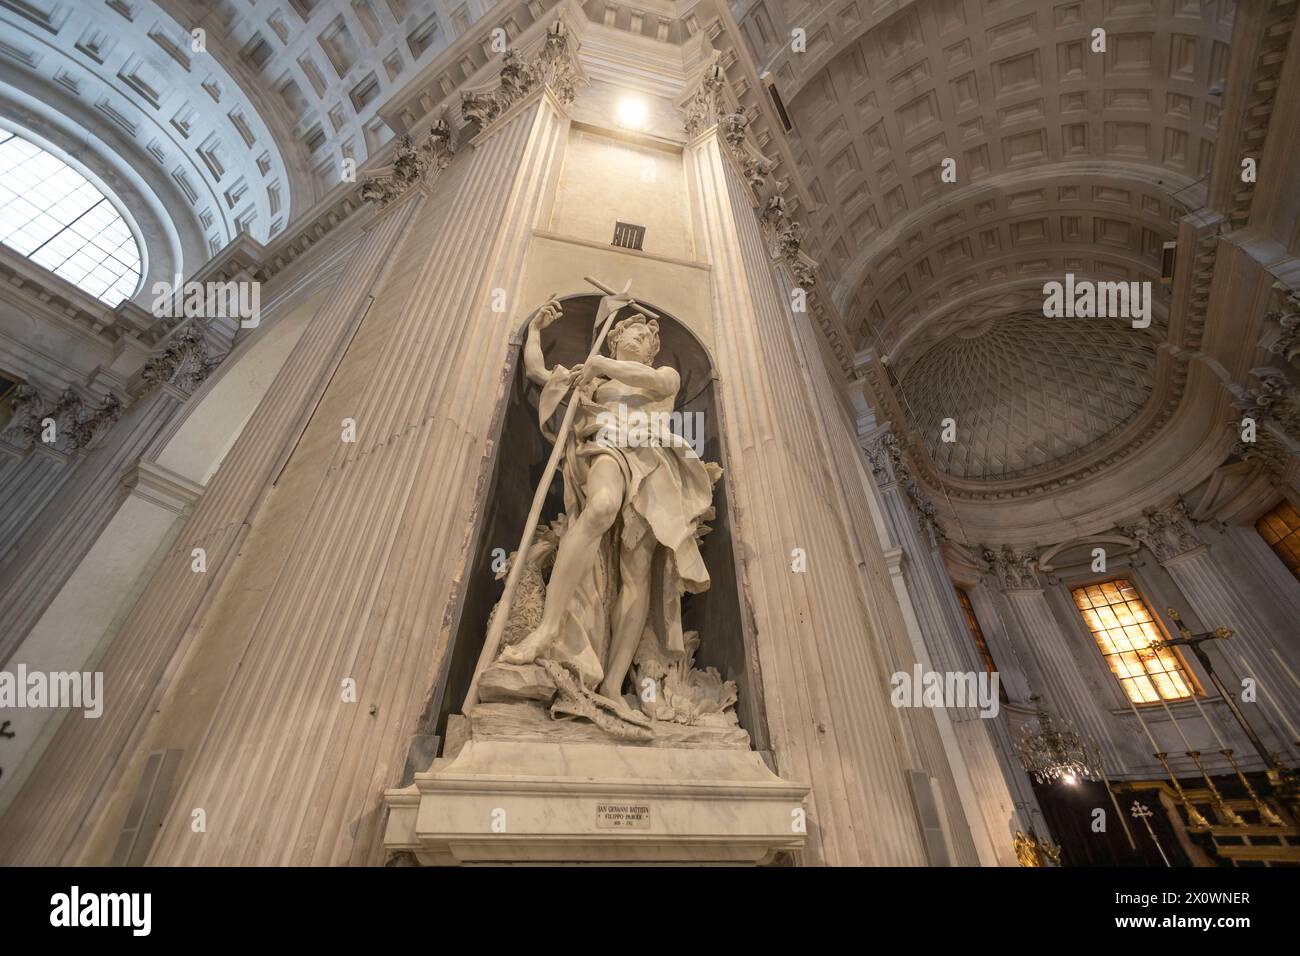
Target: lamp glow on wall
<point>632,112</point>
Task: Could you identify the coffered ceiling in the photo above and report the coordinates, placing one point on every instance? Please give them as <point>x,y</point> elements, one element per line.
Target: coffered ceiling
<point>1066,159</point>
<point>1080,133</point>
<point>128,86</point>
<point>1024,391</point>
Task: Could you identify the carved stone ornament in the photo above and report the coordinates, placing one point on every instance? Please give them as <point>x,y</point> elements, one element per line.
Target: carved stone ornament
<point>888,464</point>
<point>733,126</point>
<point>1275,400</point>
<point>704,108</point>
<point>86,428</point>
<point>1267,449</point>
<point>411,164</point>
<point>553,67</point>
<point>24,425</point>
<point>1287,318</point>
<point>1167,532</point>
<point>1015,570</point>
<point>76,425</point>
<point>774,212</point>
<point>184,362</point>
<point>756,169</point>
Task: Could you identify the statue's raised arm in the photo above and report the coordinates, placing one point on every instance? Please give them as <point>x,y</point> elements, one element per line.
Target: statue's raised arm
<point>534,362</point>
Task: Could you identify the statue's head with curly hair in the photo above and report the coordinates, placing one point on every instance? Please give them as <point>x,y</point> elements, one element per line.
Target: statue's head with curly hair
<point>634,339</point>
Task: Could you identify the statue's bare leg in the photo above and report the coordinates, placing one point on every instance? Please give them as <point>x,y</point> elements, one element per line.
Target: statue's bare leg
<point>576,554</point>
<point>630,614</point>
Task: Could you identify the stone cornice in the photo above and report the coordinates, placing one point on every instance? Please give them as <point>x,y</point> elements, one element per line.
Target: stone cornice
<point>1261,33</point>
<point>471,61</point>
<point>44,295</point>
<point>714,101</point>
<point>161,486</point>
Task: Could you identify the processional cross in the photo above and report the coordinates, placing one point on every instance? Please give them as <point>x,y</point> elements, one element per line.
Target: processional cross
<point>1283,780</point>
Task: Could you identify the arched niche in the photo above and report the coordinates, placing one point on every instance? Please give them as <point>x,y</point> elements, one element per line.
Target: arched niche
<point>519,454</point>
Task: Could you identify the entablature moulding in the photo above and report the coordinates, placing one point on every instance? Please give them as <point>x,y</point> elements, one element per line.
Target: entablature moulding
<point>1177,460</point>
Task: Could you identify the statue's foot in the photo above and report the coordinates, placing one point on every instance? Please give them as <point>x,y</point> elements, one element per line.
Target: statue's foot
<point>621,707</point>
<point>530,648</point>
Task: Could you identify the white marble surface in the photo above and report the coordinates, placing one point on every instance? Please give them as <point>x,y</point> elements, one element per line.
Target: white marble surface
<point>526,802</point>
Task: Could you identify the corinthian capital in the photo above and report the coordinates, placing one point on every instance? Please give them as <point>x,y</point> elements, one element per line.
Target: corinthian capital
<point>1286,336</point>
<point>1275,400</point>
<point>889,465</point>
<point>704,107</point>
<point>1167,532</point>
<point>412,164</point>
<point>1015,570</point>
<point>24,425</point>
<point>183,362</point>
<point>554,66</point>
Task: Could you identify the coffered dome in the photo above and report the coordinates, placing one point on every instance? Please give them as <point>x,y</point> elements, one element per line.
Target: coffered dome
<point>1027,392</point>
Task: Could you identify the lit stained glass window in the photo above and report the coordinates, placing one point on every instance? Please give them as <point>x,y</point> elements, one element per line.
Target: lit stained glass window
<point>1280,529</point>
<point>1124,629</point>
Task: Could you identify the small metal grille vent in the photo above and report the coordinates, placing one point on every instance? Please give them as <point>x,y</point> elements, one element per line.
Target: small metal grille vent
<point>628,235</point>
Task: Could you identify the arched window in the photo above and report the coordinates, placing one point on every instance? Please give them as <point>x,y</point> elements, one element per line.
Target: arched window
<point>1125,630</point>
<point>54,216</point>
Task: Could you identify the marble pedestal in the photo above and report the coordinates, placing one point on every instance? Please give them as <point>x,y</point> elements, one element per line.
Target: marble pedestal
<point>510,801</point>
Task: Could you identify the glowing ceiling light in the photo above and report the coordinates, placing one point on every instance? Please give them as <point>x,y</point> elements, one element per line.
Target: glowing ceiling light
<point>631,112</point>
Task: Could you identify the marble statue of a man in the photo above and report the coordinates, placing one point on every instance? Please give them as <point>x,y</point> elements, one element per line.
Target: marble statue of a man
<point>635,505</point>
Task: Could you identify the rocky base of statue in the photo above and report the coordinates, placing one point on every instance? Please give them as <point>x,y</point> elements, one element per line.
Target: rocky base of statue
<point>532,720</point>
<point>677,703</point>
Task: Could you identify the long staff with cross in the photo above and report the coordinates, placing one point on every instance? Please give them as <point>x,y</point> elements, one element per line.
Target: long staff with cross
<point>492,642</point>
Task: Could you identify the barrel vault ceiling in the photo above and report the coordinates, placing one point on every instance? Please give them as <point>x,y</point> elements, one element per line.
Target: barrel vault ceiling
<point>1067,161</point>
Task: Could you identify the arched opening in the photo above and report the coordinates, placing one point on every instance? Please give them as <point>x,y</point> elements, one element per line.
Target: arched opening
<point>520,458</point>
<point>54,215</point>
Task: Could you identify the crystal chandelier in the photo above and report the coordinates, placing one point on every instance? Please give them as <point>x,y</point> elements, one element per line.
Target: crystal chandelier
<point>1052,754</point>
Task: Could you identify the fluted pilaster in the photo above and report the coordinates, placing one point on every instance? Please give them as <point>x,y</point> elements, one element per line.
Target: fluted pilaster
<point>1054,671</point>
<point>1250,651</point>
<point>289,772</point>
<point>824,674</point>
<point>86,761</point>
